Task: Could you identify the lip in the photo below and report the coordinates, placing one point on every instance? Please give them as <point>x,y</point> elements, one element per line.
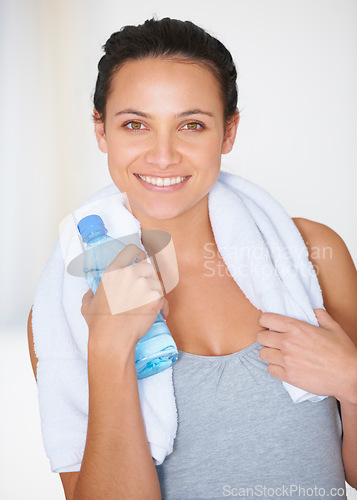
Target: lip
<point>159,175</point>
<point>163,189</point>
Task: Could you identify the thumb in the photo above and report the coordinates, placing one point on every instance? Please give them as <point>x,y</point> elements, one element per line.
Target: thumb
<point>130,253</point>
<point>323,317</point>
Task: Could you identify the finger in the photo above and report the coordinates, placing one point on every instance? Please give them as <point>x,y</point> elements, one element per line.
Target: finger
<point>165,308</point>
<point>323,318</point>
<point>270,338</point>
<point>144,269</point>
<point>271,355</point>
<point>88,295</point>
<point>154,284</point>
<point>277,371</point>
<point>130,253</point>
<point>277,322</point>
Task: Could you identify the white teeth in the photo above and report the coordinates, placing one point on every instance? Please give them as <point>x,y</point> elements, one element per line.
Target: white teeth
<point>162,181</point>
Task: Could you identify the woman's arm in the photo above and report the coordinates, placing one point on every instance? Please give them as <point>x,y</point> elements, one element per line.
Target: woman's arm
<point>337,276</point>
<point>117,462</point>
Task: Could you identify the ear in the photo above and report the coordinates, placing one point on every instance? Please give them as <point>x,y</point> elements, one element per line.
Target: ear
<point>230,135</point>
<point>100,132</point>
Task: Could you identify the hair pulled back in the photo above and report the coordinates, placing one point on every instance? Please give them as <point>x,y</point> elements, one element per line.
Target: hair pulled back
<point>169,38</point>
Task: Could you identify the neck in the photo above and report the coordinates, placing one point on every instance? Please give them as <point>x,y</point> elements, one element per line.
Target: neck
<point>190,230</point>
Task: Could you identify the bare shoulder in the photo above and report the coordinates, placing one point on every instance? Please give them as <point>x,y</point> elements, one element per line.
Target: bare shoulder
<point>335,270</point>
<point>317,233</point>
<point>326,248</point>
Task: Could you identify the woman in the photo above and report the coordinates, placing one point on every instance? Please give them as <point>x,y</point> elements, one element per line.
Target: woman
<point>165,106</point>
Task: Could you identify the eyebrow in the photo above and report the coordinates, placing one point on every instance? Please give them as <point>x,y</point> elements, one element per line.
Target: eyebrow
<point>180,115</point>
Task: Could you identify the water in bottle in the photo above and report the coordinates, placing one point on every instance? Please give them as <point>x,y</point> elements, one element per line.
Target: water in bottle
<point>156,350</point>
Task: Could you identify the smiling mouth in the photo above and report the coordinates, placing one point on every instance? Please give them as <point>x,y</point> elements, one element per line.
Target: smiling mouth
<point>162,181</point>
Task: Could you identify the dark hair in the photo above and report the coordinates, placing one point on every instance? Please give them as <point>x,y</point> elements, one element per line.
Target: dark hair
<point>169,38</point>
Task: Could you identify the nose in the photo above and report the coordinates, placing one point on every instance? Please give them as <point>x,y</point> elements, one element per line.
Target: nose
<point>162,152</point>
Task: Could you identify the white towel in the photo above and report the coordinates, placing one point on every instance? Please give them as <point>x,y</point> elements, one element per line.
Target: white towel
<point>263,251</point>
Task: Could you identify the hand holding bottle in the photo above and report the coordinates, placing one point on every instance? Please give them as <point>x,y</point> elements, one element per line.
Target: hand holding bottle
<point>133,285</point>
<point>130,295</point>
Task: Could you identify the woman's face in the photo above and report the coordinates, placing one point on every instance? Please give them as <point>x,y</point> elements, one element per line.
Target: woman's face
<point>164,122</point>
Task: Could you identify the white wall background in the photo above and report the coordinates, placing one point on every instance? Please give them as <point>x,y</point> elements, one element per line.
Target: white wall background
<point>297,68</point>
<point>297,137</point>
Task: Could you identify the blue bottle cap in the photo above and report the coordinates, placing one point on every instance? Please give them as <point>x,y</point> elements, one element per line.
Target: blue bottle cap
<point>90,225</point>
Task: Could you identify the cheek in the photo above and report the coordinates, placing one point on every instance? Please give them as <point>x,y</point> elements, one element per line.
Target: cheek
<point>208,150</point>
<point>212,156</point>
<point>121,152</point>
<point>121,157</point>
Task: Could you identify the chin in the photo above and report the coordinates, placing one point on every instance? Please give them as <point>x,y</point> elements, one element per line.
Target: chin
<point>166,210</point>
<point>161,214</point>
<point>157,213</point>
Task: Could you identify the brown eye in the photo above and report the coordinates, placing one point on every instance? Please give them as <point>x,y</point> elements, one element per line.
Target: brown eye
<point>133,125</point>
<point>193,126</point>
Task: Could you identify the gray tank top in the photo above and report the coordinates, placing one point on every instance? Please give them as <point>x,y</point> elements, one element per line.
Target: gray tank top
<point>240,434</point>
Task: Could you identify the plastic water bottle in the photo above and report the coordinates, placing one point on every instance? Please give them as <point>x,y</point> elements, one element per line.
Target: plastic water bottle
<point>156,350</point>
